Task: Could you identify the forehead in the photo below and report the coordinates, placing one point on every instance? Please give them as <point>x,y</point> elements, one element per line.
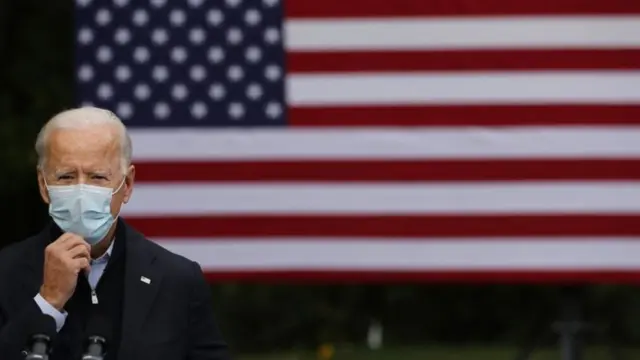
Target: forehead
<point>97,146</point>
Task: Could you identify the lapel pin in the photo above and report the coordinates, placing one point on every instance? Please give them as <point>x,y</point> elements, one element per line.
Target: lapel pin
<point>145,280</point>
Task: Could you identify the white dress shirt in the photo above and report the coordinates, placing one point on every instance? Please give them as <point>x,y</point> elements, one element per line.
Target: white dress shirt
<point>97,269</point>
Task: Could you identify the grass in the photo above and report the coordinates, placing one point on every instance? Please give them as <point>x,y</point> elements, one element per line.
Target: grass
<point>439,353</point>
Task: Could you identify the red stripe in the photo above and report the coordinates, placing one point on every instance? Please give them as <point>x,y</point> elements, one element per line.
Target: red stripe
<point>466,115</point>
<point>379,61</point>
<point>387,226</point>
<point>495,276</point>
<point>389,170</point>
<point>378,8</point>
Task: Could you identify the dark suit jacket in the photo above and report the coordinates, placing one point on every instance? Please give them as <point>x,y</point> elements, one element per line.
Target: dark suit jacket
<point>169,319</point>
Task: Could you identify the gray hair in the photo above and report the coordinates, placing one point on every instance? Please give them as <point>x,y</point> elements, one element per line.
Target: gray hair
<point>84,117</point>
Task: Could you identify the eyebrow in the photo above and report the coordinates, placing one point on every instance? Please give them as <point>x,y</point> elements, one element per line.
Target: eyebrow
<point>104,172</point>
<point>59,172</point>
<point>100,172</point>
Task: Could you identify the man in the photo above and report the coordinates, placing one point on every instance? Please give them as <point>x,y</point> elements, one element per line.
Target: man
<point>88,263</point>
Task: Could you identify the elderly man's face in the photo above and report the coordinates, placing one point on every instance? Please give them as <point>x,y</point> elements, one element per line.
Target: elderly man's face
<point>87,156</point>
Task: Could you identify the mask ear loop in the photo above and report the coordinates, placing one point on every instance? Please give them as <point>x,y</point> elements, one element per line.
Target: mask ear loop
<point>120,186</point>
<point>44,178</point>
<point>115,192</point>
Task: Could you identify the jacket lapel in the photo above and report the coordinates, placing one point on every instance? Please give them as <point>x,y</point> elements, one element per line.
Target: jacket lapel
<point>34,262</point>
<point>141,283</point>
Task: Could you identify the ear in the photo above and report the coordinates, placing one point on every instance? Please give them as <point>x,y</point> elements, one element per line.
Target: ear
<point>42,186</point>
<point>128,183</point>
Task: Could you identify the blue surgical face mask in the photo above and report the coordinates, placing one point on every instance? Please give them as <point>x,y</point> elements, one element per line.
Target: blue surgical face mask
<point>82,209</point>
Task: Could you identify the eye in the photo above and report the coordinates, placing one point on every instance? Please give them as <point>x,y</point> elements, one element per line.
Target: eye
<point>65,177</point>
<point>99,177</point>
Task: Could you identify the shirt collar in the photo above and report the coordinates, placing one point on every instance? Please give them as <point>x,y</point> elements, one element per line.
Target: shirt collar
<point>105,257</point>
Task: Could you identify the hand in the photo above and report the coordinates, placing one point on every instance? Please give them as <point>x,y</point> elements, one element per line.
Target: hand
<point>63,261</point>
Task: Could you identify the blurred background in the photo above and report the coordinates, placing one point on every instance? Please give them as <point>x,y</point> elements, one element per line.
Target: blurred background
<point>407,179</point>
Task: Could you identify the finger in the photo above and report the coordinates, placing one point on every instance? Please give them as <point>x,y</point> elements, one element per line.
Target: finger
<point>73,242</point>
<point>80,264</point>
<point>79,251</point>
<point>67,236</point>
<point>63,238</point>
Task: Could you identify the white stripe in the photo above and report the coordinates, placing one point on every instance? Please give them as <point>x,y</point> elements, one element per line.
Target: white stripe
<point>463,33</point>
<point>390,198</point>
<point>519,88</point>
<point>413,143</point>
<point>420,254</point>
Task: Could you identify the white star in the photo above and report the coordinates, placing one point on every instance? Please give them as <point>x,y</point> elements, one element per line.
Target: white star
<point>104,54</point>
<point>273,110</point>
<point>252,17</point>
<point>198,73</point>
<point>253,54</point>
<point>105,91</point>
<point>217,91</point>
<point>233,3</point>
<point>270,3</point>
<point>273,72</point>
<point>236,110</point>
<point>103,17</point>
<point>197,36</point>
<point>121,3</point>
<point>124,110</point>
<point>215,54</point>
<point>272,35</point>
<point>177,17</point>
<point>179,92</point>
<point>158,3</point>
<point>235,73</point>
<point>178,54</point>
<point>254,91</point>
<point>122,36</point>
<point>123,73</point>
<point>215,17</point>
<point>159,36</point>
<point>85,36</point>
<point>142,92</point>
<point>199,110</point>
<point>234,36</point>
<point>140,17</point>
<point>160,73</point>
<point>161,110</point>
<point>141,54</point>
<point>195,3</point>
<point>85,73</point>
<point>83,3</point>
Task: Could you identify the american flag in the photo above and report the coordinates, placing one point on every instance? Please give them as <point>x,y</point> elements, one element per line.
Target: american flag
<point>378,140</point>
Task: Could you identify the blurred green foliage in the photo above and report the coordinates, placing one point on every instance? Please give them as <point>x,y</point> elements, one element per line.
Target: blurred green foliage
<point>259,317</point>
<point>36,73</point>
<point>442,353</point>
